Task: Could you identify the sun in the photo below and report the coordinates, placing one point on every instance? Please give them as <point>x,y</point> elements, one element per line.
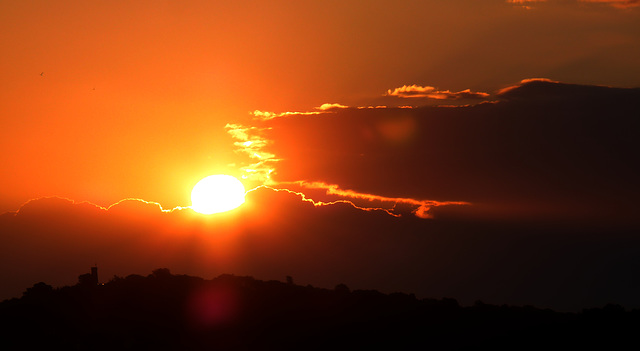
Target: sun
<point>217,193</point>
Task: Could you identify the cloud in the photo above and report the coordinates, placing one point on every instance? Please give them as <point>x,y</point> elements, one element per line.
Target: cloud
<point>387,204</point>
<point>533,153</point>
<point>254,142</point>
<point>416,91</point>
<point>382,106</point>
<point>523,82</point>
<point>251,143</point>
<point>324,108</point>
<point>328,106</point>
<point>53,206</point>
<point>265,115</point>
<point>538,152</point>
<point>621,4</point>
<point>542,90</point>
<point>304,197</point>
<point>411,91</point>
<point>275,234</point>
<point>525,3</point>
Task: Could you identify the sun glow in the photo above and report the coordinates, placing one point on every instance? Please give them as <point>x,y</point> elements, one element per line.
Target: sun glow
<point>217,193</point>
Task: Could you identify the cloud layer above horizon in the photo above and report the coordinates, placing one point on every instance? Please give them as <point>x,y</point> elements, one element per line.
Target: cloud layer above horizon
<point>275,234</point>
<point>540,148</point>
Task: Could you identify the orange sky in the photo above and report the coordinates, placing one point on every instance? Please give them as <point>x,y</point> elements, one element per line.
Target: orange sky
<point>453,142</point>
<point>134,97</point>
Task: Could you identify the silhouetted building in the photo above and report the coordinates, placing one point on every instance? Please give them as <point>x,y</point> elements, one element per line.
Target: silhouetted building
<point>89,279</point>
<point>94,274</point>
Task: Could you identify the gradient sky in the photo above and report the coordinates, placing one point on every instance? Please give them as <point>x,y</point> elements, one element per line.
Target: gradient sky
<point>168,76</point>
<point>427,110</point>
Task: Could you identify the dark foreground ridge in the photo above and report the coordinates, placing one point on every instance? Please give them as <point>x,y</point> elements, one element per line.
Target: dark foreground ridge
<point>163,311</point>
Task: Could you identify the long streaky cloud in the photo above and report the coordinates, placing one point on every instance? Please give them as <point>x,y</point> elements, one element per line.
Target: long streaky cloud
<point>265,115</point>
<point>317,203</point>
<point>324,108</point>
<point>145,202</point>
<point>113,207</point>
<point>428,92</point>
<point>421,209</point>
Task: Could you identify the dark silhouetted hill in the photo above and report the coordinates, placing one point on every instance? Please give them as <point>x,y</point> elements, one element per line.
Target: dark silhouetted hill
<point>163,311</point>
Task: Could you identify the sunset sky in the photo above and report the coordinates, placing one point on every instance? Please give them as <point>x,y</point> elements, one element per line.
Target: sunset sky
<point>474,149</point>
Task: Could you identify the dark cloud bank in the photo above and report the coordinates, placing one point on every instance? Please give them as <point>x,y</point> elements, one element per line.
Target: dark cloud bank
<point>552,223</point>
<point>545,149</point>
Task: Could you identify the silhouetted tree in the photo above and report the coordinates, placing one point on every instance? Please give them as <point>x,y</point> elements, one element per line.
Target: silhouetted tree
<point>161,273</point>
<point>450,303</point>
<point>231,312</point>
<point>86,280</point>
<point>342,288</point>
<point>38,290</point>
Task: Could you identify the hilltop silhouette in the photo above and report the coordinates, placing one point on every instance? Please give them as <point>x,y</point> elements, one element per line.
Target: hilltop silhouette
<point>164,311</point>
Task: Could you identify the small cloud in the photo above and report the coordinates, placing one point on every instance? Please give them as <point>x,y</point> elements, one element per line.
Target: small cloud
<point>463,94</point>
<point>379,107</point>
<point>411,91</point>
<point>416,91</point>
<point>423,211</point>
<point>328,106</point>
<point>524,3</point>
<point>264,114</point>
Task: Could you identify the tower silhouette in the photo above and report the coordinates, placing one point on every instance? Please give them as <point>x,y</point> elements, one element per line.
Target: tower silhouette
<point>94,275</point>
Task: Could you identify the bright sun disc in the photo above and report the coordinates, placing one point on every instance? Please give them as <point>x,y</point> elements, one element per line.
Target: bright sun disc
<point>217,193</point>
